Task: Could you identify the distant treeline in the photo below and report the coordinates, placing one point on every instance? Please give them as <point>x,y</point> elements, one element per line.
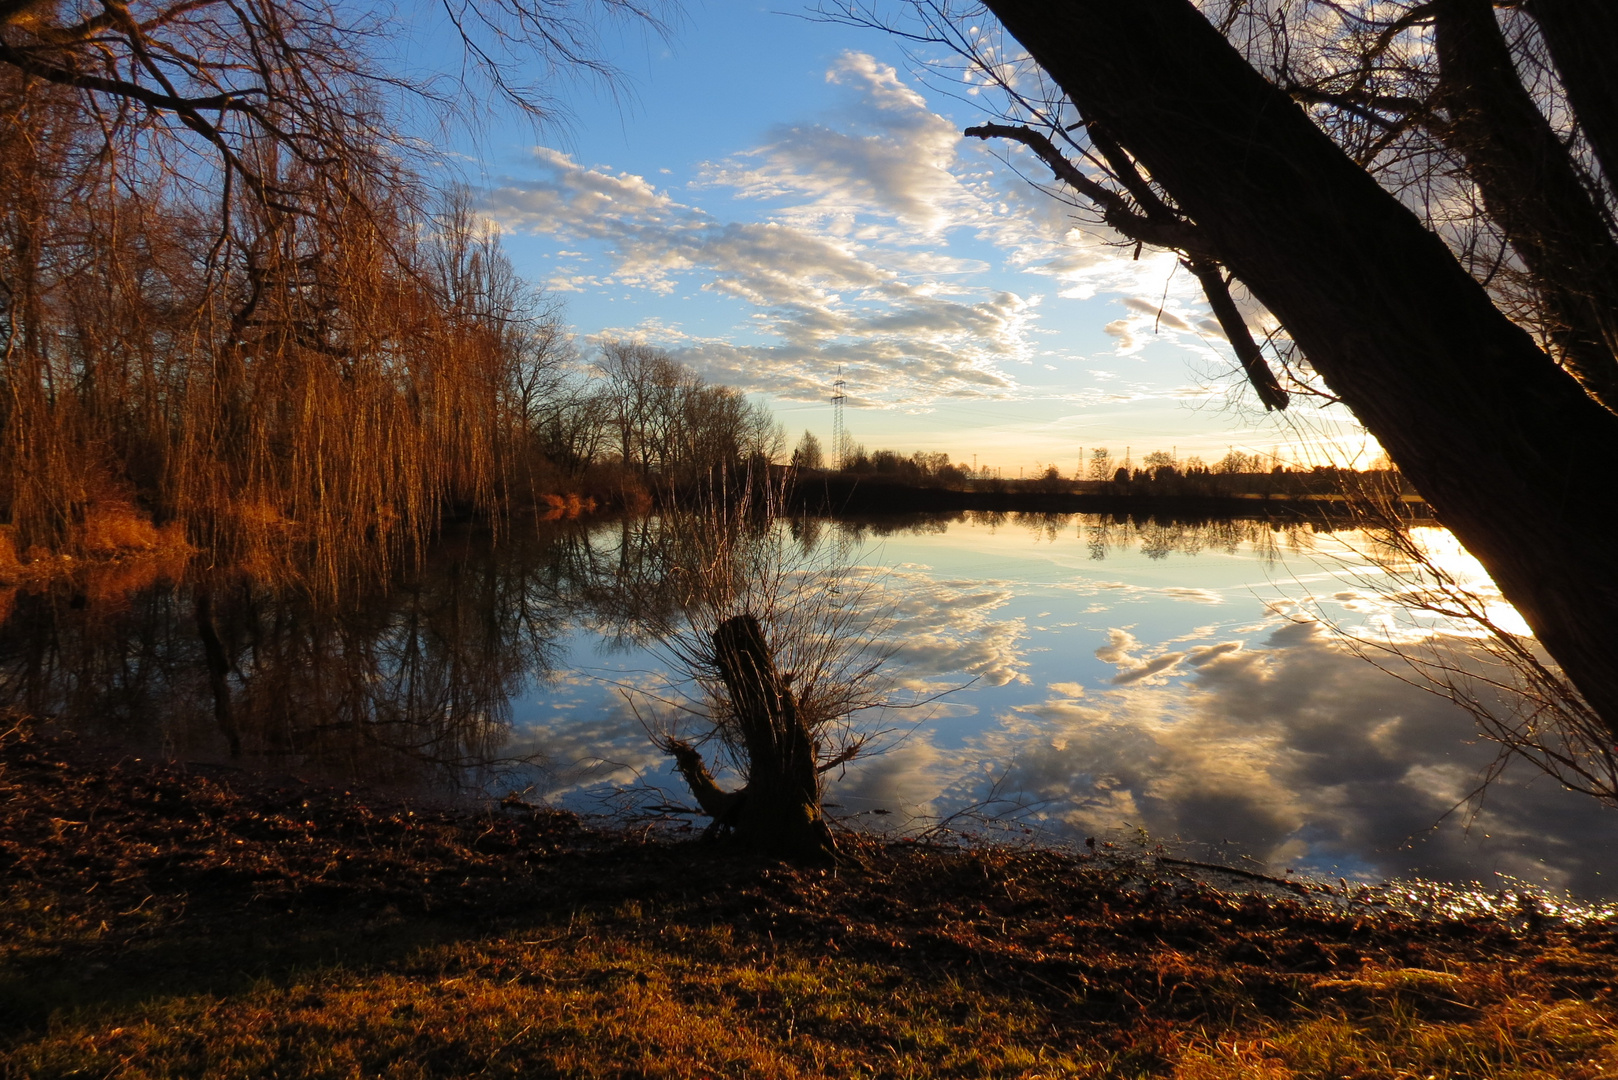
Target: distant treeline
<point>1237,475</point>
<point>321,386</point>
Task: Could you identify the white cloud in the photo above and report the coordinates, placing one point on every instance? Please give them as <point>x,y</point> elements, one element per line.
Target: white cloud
<point>825,300</point>
<point>850,262</point>
<point>942,630</point>
<point>1203,654</point>
<point>1195,595</point>
<point>892,159</point>
<point>1120,643</point>
<point>1146,669</point>
<point>1161,314</point>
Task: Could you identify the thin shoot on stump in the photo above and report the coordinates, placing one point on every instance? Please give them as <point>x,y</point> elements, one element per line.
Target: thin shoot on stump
<point>772,654</point>
<point>778,811</point>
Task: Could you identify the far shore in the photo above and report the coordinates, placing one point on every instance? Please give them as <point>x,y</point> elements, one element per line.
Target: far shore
<point>839,493</point>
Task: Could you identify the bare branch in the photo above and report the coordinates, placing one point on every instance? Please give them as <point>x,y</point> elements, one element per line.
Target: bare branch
<point>1159,230</point>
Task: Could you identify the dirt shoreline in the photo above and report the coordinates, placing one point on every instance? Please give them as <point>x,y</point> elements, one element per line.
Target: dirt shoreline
<point>162,921</point>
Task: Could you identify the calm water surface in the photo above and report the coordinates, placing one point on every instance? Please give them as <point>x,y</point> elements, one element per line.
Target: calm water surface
<point>1136,681</point>
<point>1189,684</point>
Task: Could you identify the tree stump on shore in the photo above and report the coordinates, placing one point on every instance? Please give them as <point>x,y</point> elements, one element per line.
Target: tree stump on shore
<point>778,811</point>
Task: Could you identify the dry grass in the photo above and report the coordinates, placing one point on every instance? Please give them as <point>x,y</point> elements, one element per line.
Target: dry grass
<point>160,924</point>
<point>593,1009</point>
<point>1484,1021</point>
<point>120,553</point>
<point>10,562</point>
<point>117,528</point>
<point>565,507</point>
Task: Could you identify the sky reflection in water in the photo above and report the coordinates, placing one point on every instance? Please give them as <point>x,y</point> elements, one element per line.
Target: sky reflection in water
<point>1157,678</point>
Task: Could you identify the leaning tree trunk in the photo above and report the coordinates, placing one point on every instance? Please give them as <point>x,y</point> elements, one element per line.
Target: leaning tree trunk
<point>1512,455</point>
<point>1581,35</point>
<point>778,812</point>
<point>1532,190</point>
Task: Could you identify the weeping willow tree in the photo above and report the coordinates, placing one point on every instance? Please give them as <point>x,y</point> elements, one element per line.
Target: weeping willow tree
<point>228,302</point>
<point>326,381</point>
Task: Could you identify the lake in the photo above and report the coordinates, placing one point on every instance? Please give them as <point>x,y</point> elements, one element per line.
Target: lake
<point>1198,684</point>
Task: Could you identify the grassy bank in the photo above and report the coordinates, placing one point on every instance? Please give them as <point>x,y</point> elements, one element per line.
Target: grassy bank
<point>167,922</point>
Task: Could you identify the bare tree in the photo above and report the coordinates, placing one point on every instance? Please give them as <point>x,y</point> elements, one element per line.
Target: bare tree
<point>670,424</point>
<point>306,79</point>
<point>1101,464</point>
<point>1468,116</point>
<point>807,454</point>
<point>227,297</point>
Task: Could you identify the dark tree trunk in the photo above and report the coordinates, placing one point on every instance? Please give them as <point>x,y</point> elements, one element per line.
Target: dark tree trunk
<point>1512,454</point>
<point>1582,36</point>
<point>778,812</point>
<point>1531,189</point>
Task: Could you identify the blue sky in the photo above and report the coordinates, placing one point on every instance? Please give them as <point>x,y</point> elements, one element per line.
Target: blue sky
<point>770,197</point>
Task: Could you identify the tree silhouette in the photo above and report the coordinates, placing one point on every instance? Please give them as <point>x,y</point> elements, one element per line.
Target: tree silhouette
<point>807,454</point>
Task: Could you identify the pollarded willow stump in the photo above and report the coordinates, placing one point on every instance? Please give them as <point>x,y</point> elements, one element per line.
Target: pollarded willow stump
<point>778,811</point>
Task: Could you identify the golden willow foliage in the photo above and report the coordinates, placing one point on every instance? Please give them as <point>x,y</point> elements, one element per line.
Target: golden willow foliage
<point>321,375</point>
<point>232,315</point>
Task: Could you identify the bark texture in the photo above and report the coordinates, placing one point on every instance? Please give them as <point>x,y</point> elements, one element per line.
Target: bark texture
<point>1531,189</point>
<point>1581,36</point>
<point>1512,454</point>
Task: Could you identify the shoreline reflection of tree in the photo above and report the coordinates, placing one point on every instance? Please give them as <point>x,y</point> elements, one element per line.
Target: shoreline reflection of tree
<point>408,682</point>
<point>1156,536</point>
<point>624,591</point>
<point>413,681</point>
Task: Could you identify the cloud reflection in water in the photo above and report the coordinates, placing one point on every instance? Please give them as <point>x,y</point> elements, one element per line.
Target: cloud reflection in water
<point>1266,738</point>
<point>1103,705</point>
